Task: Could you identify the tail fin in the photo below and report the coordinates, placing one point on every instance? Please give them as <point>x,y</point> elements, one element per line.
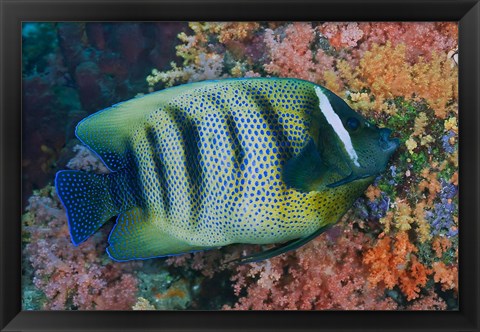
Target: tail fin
<point>87,199</point>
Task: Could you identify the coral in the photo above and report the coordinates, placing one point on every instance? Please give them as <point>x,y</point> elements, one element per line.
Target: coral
<point>72,278</point>
<point>423,226</point>
<point>143,304</point>
<point>441,216</point>
<point>86,160</point>
<point>381,66</point>
<point>421,39</point>
<point>442,219</point>
<point>236,31</point>
<point>431,301</point>
<point>206,67</point>
<point>373,193</point>
<point>448,142</point>
<point>411,144</point>
<point>386,222</point>
<point>447,276</point>
<point>420,123</point>
<point>176,297</point>
<point>385,71</point>
<point>325,274</point>
<point>398,249</point>
<point>403,216</point>
<point>292,56</point>
<point>426,140</point>
<point>290,52</point>
<point>200,59</point>
<point>342,35</point>
<point>339,271</point>
<point>440,245</point>
<point>430,182</point>
<point>378,208</point>
<point>392,261</point>
<point>454,179</point>
<point>375,207</point>
<point>117,295</point>
<point>451,125</point>
<point>436,82</point>
<point>162,290</point>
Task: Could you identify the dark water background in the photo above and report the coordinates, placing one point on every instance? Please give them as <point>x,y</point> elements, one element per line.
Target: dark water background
<point>71,70</point>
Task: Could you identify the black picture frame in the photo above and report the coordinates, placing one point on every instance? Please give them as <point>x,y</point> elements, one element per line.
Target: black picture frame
<point>13,12</point>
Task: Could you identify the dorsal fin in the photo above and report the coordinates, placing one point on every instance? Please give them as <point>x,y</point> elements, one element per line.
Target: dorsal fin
<point>107,132</point>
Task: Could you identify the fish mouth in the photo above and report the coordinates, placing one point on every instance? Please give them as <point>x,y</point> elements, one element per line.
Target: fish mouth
<point>392,145</point>
<point>388,144</point>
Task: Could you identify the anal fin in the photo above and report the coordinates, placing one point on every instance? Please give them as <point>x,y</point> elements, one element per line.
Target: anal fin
<point>138,236</point>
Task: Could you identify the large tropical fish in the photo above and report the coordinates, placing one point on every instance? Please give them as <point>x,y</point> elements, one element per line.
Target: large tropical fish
<point>204,165</point>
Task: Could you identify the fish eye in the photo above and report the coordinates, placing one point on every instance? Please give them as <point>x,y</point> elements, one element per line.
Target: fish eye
<point>353,123</point>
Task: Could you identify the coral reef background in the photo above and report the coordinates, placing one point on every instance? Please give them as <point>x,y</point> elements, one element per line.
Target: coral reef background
<point>396,249</point>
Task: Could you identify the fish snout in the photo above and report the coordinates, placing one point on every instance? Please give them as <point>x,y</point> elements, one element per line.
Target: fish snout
<point>386,143</point>
<point>385,133</point>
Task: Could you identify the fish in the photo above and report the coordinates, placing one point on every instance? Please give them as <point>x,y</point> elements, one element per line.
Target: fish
<point>203,165</point>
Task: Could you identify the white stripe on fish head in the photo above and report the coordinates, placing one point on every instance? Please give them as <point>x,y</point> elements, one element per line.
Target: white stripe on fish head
<point>334,120</point>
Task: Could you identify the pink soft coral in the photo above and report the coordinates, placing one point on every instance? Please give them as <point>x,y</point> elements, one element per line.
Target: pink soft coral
<point>325,274</point>
<point>421,38</point>
<point>342,34</point>
<point>290,52</point>
<point>291,56</point>
<point>73,277</point>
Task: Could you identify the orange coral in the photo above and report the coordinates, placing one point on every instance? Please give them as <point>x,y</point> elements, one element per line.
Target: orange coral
<point>385,71</point>
<point>386,81</point>
<point>437,82</point>
<point>440,245</point>
<point>392,261</point>
<point>413,278</point>
<point>373,193</point>
<point>236,31</point>
<point>431,183</point>
<point>446,275</point>
<point>454,178</point>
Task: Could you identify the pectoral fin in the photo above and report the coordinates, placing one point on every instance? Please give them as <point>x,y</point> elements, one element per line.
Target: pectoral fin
<point>302,171</point>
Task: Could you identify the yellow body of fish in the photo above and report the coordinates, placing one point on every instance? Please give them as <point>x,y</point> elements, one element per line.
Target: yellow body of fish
<point>214,163</point>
